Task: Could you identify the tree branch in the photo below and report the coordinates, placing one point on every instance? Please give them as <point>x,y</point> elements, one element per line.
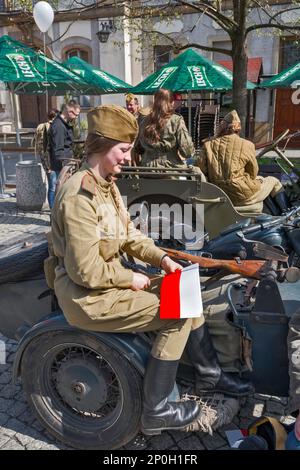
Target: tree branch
<point>205,7</point>
<point>272,17</point>
<point>282,27</point>
<point>205,48</point>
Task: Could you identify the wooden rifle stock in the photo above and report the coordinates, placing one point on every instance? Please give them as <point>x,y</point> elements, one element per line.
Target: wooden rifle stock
<point>246,268</point>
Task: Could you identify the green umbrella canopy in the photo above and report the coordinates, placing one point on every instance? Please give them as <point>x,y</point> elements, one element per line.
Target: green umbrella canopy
<point>284,79</point>
<point>97,78</point>
<point>26,71</point>
<point>188,72</point>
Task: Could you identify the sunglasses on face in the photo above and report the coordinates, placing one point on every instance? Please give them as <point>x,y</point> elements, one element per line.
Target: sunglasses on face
<point>70,111</point>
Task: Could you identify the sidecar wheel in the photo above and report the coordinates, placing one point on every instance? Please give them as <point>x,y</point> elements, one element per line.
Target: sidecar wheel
<point>19,263</point>
<point>83,392</point>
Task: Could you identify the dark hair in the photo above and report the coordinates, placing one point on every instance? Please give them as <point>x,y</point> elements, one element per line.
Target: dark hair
<point>52,113</point>
<point>71,104</point>
<point>97,144</point>
<point>163,109</point>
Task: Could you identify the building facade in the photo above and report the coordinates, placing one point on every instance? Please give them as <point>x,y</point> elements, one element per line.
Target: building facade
<point>132,59</point>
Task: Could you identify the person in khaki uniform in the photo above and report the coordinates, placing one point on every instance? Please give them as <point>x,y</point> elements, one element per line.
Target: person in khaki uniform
<point>164,141</point>
<point>90,230</point>
<point>230,162</point>
<point>133,107</point>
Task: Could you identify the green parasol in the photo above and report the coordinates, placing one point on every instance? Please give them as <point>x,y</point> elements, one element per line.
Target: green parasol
<point>24,70</point>
<point>101,81</point>
<point>189,72</point>
<point>285,79</point>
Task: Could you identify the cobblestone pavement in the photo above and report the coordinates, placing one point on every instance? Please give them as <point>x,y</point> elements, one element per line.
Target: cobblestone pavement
<point>16,225</point>
<point>20,430</point>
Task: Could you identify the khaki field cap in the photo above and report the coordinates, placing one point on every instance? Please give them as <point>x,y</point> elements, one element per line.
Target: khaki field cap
<point>112,122</point>
<point>130,97</point>
<point>232,118</point>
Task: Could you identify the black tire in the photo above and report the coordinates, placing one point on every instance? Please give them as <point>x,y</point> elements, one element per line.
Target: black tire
<point>58,371</point>
<point>294,259</point>
<point>18,262</point>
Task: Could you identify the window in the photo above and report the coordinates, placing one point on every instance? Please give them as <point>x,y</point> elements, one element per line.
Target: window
<point>83,100</point>
<point>71,4</point>
<point>162,56</point>
<point>290,53</point>
<point>81,53</point>
<point>222,45</point>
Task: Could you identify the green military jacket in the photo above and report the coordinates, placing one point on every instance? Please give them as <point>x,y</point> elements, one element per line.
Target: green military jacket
<point>174,146</point>
<point>90,230</point>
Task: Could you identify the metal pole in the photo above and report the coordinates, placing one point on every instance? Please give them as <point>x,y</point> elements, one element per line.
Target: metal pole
<point>2,175</point>
<point>1,186</point>
<point>15,113</point>
<point>46,77</point>
<point>190,111</point>
<point>16,119</point>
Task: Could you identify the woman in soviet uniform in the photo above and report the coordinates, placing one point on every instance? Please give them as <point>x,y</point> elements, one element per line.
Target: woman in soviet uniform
<point>230,162</point>
<point>91,228</point>
<point>164,141</point>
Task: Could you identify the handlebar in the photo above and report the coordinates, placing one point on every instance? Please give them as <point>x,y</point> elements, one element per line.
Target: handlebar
<point>293,134</point>
<point>280,152</point>
<point>276,221</point>
<point>268,146</point>
<point>273,143</point>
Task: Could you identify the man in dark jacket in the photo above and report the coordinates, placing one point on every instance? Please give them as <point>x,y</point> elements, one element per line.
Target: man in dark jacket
<point>60,138</point>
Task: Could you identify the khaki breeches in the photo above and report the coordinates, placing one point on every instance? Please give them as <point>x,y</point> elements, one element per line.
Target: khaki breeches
<point>132,311</point>
<point>270,186</point>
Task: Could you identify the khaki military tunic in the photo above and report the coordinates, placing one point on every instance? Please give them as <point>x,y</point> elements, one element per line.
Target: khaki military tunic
<point>90,229</point>
<point>230,163</point>
<point>173,148</point>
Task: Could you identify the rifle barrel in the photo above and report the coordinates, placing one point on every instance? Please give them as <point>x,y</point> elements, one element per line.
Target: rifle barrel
<point>247,268</point>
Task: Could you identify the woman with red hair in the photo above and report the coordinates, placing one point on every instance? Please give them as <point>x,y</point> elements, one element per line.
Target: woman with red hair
<point>164,141</point>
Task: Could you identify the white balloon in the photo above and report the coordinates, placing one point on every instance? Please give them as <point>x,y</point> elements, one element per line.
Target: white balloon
<point>43,15</point>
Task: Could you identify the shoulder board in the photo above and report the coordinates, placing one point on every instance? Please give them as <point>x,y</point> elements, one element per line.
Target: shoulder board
<point>88,184</point>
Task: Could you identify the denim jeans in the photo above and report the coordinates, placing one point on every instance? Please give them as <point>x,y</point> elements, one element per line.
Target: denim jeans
<point>52,178</point>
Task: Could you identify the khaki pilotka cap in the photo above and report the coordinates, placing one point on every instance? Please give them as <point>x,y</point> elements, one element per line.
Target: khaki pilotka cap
<point>113,122</point>
<point>130,97</point>
<point>232,118</point>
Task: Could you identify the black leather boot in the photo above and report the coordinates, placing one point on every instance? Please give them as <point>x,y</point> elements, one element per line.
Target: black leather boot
<point>208,373</point>
<point>282,201</point>
<point>158,413</point>
<point>270,206</point>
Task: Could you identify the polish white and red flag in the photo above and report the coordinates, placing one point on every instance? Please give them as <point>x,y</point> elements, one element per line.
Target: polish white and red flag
<point>180,294</point>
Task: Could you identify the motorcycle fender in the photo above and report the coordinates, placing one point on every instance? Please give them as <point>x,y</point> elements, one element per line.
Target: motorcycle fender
<point>134,347</point>
<point>294,237</point>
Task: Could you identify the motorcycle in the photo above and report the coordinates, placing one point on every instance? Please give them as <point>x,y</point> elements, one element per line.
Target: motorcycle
<point>283,231</point>
<point>236,239</point>
<point>290,179</point>
<point>85,387</point>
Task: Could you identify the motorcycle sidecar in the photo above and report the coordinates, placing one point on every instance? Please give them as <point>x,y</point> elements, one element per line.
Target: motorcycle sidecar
<point>86,387</point>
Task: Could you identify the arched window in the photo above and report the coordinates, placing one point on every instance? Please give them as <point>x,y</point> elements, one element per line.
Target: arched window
<point>81,53</point>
